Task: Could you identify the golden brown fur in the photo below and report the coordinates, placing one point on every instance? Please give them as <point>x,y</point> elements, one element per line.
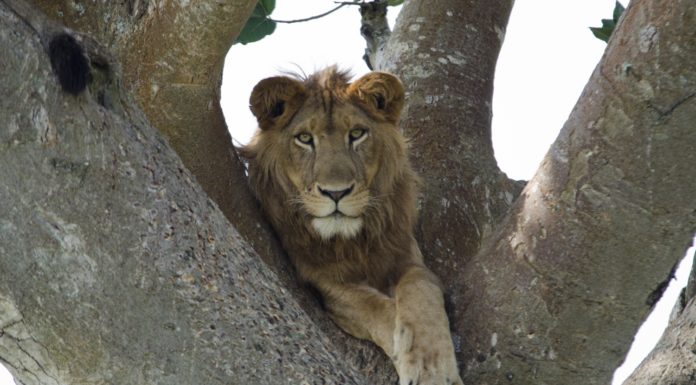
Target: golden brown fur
<point>331,170</point>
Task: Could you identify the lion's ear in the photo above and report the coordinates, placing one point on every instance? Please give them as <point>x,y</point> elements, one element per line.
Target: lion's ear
<point>380,93</point>
<point>275,100</point>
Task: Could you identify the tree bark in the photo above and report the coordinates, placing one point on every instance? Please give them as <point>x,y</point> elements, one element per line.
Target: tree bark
<point>556,295</point>
<point>172,55</point>
<point>115,266</point>
<point>445,53</point>
<point>673,361</point>
<point>169,55</point>
<point>559,288</point>
<point>114,269</point>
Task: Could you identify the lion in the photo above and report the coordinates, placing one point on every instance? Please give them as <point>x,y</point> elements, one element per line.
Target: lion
<point>330,169</point>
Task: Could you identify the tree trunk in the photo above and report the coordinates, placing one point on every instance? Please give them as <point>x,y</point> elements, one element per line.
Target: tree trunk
<point>172,54</point>
<point>445,53</point>
<point>115,265</point>
<point>114,269</point>
<point>559,288</point>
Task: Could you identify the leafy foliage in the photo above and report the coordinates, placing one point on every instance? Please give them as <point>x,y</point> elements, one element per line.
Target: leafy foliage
<point>604,32</point>
<point>259,24</point>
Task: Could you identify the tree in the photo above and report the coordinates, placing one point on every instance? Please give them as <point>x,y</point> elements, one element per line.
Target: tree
<point>115,268</point>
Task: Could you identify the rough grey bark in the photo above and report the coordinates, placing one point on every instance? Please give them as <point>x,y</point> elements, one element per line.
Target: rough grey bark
<point>172,54</point>
<point>114,265</point>
<point>445,53</point>
<point>597,230</point>
<point>673,361</point>
<point>557,291</point>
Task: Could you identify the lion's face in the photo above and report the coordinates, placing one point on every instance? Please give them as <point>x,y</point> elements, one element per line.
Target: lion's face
<point>332,147</point>
<point>332,163</point>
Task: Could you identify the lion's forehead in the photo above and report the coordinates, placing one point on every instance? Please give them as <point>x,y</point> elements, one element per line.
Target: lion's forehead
<point>343,117</point>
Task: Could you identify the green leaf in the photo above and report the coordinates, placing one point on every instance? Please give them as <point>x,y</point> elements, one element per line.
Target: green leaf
<point>255,30</point>
<point>267,5</point>
<point>618,10</point>
<point>394,3</point>
<point>259,25</point>
<point>608,25</point>
<point>601,33</point>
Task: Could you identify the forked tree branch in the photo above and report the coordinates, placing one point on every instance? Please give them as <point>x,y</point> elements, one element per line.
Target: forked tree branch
<point>555,293</point>
<point>558,292</point>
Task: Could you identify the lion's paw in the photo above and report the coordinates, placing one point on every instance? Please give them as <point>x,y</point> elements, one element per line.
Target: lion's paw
<point>424,357</point>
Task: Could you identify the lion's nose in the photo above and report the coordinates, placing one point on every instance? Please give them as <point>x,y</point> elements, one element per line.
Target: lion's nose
<point>335,195</point>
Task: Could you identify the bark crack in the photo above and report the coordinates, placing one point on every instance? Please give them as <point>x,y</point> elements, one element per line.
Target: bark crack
<point>20,342</point>
<point>37,362</point>
<point>9,325</point>
<point>664,115</point>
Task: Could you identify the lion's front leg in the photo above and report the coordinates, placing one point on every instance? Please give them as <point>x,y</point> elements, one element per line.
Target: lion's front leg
<point>362,311</point>
<point>423,350</point>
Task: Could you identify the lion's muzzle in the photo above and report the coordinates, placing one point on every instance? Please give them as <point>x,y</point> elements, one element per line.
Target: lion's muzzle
<point>337,209</point>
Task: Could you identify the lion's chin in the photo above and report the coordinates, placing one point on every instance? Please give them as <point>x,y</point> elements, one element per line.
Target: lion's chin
<point>337,225</point>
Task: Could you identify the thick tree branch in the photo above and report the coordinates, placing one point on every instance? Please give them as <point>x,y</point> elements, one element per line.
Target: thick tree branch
<point>172,54</point>
<point>123,22</point>
<point>557,295</point>
<point>445,53</point>
<point>114,267</point>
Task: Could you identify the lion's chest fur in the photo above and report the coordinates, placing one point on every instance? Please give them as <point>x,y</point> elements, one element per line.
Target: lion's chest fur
<point>375,262</point>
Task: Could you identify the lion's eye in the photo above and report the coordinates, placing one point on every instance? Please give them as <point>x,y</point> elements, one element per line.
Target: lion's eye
<point>356,134</point>
<point>304,138</point>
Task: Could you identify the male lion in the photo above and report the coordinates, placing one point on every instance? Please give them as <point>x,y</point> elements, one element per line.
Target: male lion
<point>331,170</point>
